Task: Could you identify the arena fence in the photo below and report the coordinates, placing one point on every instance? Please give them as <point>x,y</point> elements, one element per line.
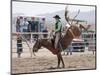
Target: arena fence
<point>87,43</point>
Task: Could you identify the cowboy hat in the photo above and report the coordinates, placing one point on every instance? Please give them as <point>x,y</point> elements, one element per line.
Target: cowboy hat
<point>57,16</point>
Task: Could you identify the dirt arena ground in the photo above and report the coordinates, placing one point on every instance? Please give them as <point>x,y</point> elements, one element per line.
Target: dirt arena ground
<point>45,61</point>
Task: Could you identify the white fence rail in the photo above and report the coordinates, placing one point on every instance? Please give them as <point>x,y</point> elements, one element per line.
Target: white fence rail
<point>90,43</point>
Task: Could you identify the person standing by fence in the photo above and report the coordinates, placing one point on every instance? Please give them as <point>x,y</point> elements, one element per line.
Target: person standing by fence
<point>70,48</point>
<point>42,24</point>
<point>20,39</point>
<point>25,25</point>
<point>33,24</point>
<point>18,25</point>
<point>19,45</point>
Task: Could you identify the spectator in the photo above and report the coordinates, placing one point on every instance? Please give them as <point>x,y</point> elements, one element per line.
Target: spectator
<point>42,23</point>
<point>37,24</point>
<point>25,25</point>
<point>18,25</point>
<point>33,25</point>
<point>69,49</point>
<point>29,26</point>
<point>21,23</point>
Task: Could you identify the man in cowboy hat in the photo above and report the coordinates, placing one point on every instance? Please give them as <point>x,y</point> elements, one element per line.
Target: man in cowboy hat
<point>58,27</point>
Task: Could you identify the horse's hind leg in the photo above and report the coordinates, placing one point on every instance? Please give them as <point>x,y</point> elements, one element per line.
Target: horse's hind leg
<point>58,61</point>
<point>61,60</point>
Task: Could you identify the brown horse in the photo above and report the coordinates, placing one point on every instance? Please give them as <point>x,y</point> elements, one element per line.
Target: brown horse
<point>72,32</point>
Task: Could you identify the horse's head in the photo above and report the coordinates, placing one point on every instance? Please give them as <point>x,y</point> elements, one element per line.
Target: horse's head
<point>37,46</point>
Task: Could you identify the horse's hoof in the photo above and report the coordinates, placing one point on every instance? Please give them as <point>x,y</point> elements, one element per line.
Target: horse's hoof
<point>57,67</point>
<point>63,67</point>
<point>52,67</point>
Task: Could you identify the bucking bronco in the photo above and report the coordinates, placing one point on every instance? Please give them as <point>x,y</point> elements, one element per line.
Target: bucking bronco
<point>70,33</point>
